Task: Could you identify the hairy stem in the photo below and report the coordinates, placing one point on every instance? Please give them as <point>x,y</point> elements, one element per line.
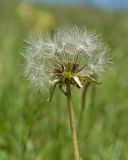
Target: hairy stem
<point>72,122</point>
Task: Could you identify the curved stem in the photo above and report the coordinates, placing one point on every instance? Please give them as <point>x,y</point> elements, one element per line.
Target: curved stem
<point>72,122</point>
<point>83,101</point>
<point>93,94</point>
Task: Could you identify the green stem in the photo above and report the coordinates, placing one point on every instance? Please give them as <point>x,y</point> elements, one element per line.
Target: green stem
<point>93,94</point>
<point>72,122</point>
<point>83,101</point>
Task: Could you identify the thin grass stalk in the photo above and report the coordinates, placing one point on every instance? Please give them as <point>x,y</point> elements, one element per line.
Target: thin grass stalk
<point>93,95</point>
<point>83,101</point>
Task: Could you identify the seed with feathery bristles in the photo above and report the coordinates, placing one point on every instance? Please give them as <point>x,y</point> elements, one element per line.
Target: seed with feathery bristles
<point>72,52</point>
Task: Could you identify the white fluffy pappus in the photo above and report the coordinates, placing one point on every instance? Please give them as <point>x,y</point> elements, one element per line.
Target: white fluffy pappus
<point>47,56</point>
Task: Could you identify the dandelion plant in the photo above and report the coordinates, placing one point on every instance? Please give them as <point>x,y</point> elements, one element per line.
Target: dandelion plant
<point>70,58</point>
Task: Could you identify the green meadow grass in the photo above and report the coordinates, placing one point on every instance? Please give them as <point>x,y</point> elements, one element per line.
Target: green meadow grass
<point>33,129</point>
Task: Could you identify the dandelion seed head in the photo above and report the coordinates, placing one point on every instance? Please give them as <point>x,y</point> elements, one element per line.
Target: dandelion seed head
<point>70,49</point>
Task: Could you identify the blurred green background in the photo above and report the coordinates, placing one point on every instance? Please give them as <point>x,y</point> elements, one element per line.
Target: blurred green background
<point>33,129</point>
